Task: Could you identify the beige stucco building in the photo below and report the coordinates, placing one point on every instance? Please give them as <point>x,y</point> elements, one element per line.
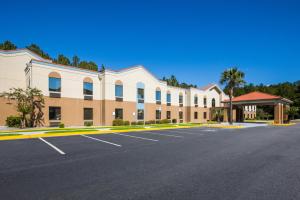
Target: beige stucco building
<point>75,96</point>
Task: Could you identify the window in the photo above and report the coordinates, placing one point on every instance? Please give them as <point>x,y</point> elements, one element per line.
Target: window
<point>213,103</point>
<point>157,114</point>
<point>118,113</point>
<point>168,99</point>
<point>87,88</point>
<point>54,84</point>
<point>195,115</point>
<point>180,100</point>
<point>204,115</point>
<point>119,92</point>
<point>205,102</point>
<point>180,115</point>
<point>140,95</point>
<point>54,113</point>
<point>158,96</point>
<point>140,114</point>
<point>87,113</point>
<point>168,114</point>
<point>196,101</point>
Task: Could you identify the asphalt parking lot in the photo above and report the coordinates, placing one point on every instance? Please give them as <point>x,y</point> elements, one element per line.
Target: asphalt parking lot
<point>196,163</point>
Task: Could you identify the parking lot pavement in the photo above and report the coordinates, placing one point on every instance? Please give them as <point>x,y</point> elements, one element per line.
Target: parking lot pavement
<point>200,163</point>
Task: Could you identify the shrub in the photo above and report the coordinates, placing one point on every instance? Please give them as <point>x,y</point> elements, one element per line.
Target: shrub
<point>147,122</point>
<point>126,123</point>
<point>88,123</point>
<point>118,122</point>
<point>174,121</point>
<point>140,122</point>
<point>150,122</point>
<point>165,121</point>
<point>61,125</point>
<point>133,123</point>
<point>158,122</point>
<point>13,121</point>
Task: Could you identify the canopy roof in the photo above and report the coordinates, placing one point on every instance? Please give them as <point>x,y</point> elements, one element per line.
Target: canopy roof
<point>258,98</point>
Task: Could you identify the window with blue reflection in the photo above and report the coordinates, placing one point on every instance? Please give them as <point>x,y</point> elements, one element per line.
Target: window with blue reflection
<point>54,84</point>
<point>158,95</point>
<point>119,90</point>
<point>168,98</point>
<point>87,88</point>
<point>140,93</point>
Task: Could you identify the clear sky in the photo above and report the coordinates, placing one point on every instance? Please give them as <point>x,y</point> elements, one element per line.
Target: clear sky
<point>194,40</point>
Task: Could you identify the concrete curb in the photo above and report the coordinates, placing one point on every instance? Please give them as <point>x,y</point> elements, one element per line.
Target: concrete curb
<point>45,135</point>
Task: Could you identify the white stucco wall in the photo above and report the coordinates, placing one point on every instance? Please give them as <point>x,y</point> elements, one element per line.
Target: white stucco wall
<point>71,80</point>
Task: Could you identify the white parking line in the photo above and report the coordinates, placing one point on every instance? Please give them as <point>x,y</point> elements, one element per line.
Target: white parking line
<point>209,130</point>
<point>54,147</point>
<point>142,138</point>
<point>182,132</point>
<point>118,145</point>
<point>153,133</point>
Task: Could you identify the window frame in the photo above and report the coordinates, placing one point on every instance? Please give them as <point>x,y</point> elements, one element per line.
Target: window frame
<point>119,97</point>
<point>116,113</point>
<point>86,116</point>
<point>59,113</point>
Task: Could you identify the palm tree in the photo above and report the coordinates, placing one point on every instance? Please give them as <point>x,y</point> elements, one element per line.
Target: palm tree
<point>232,78</point>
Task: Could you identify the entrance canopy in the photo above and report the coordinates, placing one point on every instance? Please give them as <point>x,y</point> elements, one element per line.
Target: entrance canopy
<point>259,98</point>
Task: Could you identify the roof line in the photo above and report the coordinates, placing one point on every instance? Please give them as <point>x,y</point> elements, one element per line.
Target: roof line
<point>26,50</point>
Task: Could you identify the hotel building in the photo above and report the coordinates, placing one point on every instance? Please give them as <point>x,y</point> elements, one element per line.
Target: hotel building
<point>74,96</point>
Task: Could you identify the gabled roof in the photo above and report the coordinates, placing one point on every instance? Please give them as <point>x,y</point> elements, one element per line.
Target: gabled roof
<point>134,68</point>
<point>257,96</point>
<point>206,87</point>
<point>33,54</point>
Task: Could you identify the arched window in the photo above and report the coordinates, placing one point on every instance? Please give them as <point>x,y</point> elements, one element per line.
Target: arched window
<point>168,98</point>
<point>54,79</point>
<point>158,96</point>
<point>119,90</point>
<point>213,103</point>
<point>180,99</point>
<point>88,88</point>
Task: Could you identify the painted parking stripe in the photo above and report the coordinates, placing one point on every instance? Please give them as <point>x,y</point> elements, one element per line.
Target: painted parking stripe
<point>209,130</point>
<point>54,147</point>
<point>153,133</point>
<point>183,132</point>
<point>142,138</point>
<point>118,145</point>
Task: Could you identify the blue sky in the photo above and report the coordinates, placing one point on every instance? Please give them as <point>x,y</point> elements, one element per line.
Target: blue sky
<point>194,40</point>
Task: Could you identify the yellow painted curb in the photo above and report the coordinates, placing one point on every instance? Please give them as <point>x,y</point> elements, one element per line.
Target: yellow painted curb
<point>16,137</point>
<point>283,125</point>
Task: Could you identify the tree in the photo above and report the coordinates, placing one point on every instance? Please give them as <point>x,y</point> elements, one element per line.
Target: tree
<point>75,61</point>
<point>36,49</point>
<point>232,78</point>
<point>61,59</point>
<point>29,104</point>
<point>7,45</point>
<point>102,68</point>
<point>88,65</point>
<point>292,112</point>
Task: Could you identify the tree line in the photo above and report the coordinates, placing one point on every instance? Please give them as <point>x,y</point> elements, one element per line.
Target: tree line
<point>61,59</point>
<point>289,90</point>
<point>172,81</point>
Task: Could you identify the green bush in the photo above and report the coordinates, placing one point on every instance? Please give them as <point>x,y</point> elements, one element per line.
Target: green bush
<point>118,122</point>
<point>88,123</point>
<point>126,123</point>
<point>140,122</point>
<point>133,123</point>
<point>150,122</point>
<point>174,121</point>
<point>165,121</point>
<point>61,125</point>
<point>13,121</point>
